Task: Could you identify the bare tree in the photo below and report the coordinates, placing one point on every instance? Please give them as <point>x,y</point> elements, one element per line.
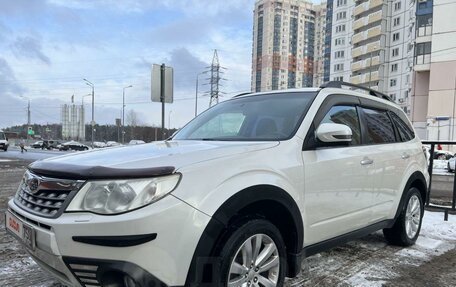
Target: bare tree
<point>132,118</point>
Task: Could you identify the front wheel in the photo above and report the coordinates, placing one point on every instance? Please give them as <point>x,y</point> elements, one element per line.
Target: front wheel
<point>407,228</point>
<point>253,255</point>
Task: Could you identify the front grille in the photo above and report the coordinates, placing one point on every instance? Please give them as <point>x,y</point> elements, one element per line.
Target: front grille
<point>44,196</point>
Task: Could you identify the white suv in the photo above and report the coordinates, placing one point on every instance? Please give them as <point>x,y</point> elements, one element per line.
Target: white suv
<point>238,197</point>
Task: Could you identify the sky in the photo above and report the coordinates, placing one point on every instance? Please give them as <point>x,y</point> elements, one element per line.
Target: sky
<point>47,47</point>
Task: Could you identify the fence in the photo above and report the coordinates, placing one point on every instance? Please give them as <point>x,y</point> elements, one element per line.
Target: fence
<point>429,205</point>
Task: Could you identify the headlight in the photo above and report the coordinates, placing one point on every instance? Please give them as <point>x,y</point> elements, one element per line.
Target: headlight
<point>118,196</point>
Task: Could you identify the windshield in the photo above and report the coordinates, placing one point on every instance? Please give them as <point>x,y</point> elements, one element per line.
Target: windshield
<point>255,118</point>
<point>2,136</point>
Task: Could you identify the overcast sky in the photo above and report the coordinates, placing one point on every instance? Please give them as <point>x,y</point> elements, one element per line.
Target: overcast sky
<point>48,47</point>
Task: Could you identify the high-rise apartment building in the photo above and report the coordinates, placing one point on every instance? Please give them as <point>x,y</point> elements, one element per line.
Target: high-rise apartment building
<point>434,83</point>
<point>340,56</point>
<point>382,55</point>
<point>319,45</point>
<point>283,44</point>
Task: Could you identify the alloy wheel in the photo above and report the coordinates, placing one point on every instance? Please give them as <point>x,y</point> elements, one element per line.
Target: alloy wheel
<point>256,263</point>
<point>413,216</point>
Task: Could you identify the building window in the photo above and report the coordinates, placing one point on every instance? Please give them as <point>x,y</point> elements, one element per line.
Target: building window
<point>396,21</point>
<point>338,79</point>
<point>341,15</point>
<point>393,82</point>
<point>396,36</point>
<point>394,67</point>
<point>397,6</point>
<point>340,28</point>
<point>339,54</point>
<point>423,25</point>
<point>338,67</point>
<point>340,41</point>
<point>341,3</point>
<point>393,97</point>
<point>395,52</point>
<point>423,53</point>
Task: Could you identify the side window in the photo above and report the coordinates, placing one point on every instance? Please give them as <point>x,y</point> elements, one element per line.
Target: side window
<point>379,127</point>
<point>405,131</point>
<point>345,115</point>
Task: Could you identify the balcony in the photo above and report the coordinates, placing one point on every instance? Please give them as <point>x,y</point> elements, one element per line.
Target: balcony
<point>374,32</point>
<point>375,3</point>
<point>355,80</point>
<point>360,23</point>
<point>372,47</point>
<point>359,37</point>
<point>377,16</point>
<point>357,66</point>
<point>358,51</point>
<point>361,9</point>
<point>422,63</point>
<point>365,64</point>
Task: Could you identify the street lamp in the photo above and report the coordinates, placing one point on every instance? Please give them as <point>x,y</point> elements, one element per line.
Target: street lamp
<point>169,123</point>
<point>123,112</point>
<point>28,114</point>
<point>196,92</point>
<point>88,83</point>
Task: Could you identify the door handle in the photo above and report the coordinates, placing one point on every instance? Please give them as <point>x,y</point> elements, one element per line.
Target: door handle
<point>405,156</point>
<point>367,161</point>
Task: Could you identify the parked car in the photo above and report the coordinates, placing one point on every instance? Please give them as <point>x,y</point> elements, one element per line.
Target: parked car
<point>37,144</point>
<point>53,144</point>
<point>451,164</point>
<point>135,142</point>
<point>443,154</point>
<point>112,143</point>
<point>3,141</point>
<point>73,145</point>
<point>236,198</point>
<point>99,145</point>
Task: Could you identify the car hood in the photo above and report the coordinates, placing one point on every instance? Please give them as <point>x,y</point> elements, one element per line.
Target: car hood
<point>141,160</point>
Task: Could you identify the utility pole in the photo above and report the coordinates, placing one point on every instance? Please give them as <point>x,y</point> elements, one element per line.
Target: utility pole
<point>28,119</point>
<point>93,108</point>
<point>123,112</point>
<point>196,91</point>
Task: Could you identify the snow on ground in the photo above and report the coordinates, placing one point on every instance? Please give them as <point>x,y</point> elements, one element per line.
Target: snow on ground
<point>370,261</point>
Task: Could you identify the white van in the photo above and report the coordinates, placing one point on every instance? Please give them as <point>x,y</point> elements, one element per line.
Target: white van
<point>3,141</point>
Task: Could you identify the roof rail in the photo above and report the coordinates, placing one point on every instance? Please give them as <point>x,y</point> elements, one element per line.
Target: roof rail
<point>340,84</point>
<point>242,94</point>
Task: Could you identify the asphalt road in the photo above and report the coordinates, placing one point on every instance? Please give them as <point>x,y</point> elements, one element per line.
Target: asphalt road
<point>369,261</point>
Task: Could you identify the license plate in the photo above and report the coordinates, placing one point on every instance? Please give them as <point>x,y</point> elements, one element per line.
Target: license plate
<point>21,230</point>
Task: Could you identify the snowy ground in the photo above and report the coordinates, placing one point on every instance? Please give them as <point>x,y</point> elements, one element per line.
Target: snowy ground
<point>371,262</point>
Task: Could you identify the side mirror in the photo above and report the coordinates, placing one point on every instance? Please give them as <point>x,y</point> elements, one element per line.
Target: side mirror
<point>334,133</point>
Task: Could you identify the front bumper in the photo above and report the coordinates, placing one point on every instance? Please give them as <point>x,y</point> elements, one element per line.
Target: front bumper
<point>164,260</point>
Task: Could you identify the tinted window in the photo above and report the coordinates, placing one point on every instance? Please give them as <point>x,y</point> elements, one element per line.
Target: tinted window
<point>379,127</point>
<point>405,131</point>
<point>254,118</point>
<point>345,115</point>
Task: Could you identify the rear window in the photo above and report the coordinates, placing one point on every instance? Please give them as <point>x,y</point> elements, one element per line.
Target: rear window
<point>405,132</point>
<point>379,127</point>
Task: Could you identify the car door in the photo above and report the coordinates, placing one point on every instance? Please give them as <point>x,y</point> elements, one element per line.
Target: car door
<point>338,179</point>
<point>388,155</point>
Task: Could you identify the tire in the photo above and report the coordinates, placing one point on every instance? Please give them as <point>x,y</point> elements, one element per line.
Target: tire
<point>232,254</point>
<point>407,227</point>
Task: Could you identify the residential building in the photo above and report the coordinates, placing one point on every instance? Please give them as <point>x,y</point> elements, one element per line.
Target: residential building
<point>283,44</point>
<point>340,55</point>
<point>328,38</point>
<point>319,46</point>
<point>434,77</point>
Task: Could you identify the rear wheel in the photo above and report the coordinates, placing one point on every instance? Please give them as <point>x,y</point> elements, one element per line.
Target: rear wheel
<point>407,228</point>
<point>253,255</point>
